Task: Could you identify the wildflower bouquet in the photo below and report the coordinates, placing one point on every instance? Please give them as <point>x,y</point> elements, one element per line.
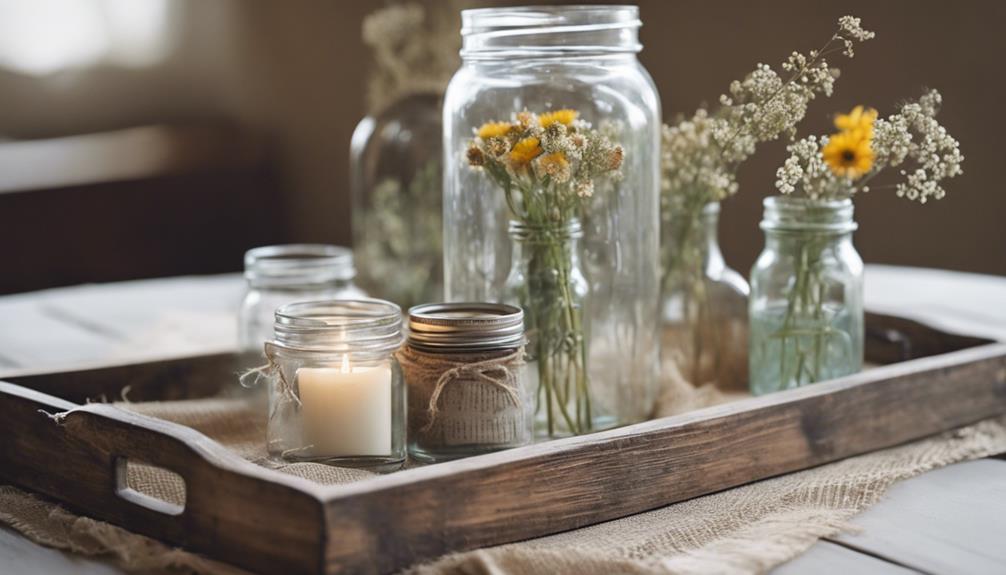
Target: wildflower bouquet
<point>547,165</point>
<point>816,334</point>
<point>700,159</point>
<point>843,164</point>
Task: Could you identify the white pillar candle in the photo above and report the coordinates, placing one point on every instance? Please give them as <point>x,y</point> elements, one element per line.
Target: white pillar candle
<point>346,411</point>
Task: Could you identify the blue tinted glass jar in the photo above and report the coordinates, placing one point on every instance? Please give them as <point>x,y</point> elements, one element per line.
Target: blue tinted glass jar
<point>806,304</point>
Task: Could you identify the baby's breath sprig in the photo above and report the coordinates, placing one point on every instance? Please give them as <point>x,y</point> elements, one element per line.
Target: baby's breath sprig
<point>701,155</point>
<point>844,164</point>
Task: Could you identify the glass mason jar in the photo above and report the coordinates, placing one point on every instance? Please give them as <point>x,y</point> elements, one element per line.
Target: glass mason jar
<point>336,390</point>
<point>704,303</point>
<point>547,59</point>
<point>466,373</point>
<point>396,175</point>
<point>806,305</point>
<point>278,275</point>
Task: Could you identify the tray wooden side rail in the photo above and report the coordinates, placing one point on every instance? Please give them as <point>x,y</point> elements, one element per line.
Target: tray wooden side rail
<point>266,521</point>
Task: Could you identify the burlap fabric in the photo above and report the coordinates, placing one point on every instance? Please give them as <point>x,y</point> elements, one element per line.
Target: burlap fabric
<point>467,399</point>
<point>745,530</point>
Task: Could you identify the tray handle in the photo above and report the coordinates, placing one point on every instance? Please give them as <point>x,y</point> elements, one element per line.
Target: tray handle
<point>234,510</point>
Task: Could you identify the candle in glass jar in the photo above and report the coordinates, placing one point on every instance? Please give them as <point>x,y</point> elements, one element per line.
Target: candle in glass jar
<point>346,411</point>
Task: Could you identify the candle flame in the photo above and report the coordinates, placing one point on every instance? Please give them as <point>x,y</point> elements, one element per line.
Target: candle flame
<point>345,364</point>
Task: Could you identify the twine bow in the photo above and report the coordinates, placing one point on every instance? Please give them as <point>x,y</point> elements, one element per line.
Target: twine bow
<point>493,371</point>
<point>252,377</point>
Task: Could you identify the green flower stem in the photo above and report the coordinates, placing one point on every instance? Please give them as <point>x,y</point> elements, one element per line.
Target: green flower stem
<point>684,268</point>
<point>559,343</point>
<point>806,299</point>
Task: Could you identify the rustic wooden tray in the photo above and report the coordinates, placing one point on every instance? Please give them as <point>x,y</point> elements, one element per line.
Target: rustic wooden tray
<point>267,521</point>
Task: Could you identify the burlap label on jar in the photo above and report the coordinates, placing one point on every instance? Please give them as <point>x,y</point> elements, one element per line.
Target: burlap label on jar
<point>460,399</point>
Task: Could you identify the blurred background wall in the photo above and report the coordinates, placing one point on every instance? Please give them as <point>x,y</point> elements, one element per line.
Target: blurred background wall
<point>279,87</point>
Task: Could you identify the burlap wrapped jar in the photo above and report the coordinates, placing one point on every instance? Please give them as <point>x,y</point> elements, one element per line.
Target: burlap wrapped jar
<point>467,380</point>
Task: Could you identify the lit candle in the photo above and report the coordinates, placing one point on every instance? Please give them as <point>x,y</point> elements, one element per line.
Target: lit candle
<point>346,411</point>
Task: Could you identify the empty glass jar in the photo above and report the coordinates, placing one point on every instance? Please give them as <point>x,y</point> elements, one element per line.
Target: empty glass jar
<point>336,390</point>
<point>704,309</point>
<point>278,275</point>
<point>577,61</point>
<point>806,305</point>
<point>397,186</point>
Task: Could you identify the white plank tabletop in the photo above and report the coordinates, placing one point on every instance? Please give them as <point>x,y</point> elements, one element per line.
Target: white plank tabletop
<point>951,520</point>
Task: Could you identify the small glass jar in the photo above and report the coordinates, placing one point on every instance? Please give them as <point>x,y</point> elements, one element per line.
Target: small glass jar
<point>806,304</point>
<point>278,275</point>
<point>546,279</point>
<point>549,58</point>
<point>704,304</point>
<point>468,388</point>
<point>336,390</point>
<point>397,187</point>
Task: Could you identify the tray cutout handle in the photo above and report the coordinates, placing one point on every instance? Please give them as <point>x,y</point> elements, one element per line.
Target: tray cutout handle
<point>139,482</point>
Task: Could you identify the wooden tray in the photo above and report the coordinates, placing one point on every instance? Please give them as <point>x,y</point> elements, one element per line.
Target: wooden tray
<point>267,521</point>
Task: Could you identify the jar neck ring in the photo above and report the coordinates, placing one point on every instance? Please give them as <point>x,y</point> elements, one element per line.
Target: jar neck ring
<point>549,31</point>
<point>803,215</point>
<point>291,266</point>
<point>532,233</point>
<point>338,327</point>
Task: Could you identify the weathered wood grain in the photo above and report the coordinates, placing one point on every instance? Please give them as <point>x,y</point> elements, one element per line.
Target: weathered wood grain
<point>827,558</point>
<point>165,380</point>
<point>264,520</point>
<point>570,483</point>
<point>235,511</point>
<point>891,339</point>
<point>914,522</point>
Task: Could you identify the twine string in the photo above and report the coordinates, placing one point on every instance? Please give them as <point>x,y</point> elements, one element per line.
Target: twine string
<point>493,371</point>
<point>271,369</point>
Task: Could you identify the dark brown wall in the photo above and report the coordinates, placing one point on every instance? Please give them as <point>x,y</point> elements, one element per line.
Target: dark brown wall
<point>296,69</point>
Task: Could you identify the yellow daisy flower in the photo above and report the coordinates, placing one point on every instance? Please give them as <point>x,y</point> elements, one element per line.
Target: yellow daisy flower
<point>494,129</point>
<point>859,119</point>
<point>848,154</point>
<point>556,166</point>
<point>564,117</point>
<point>525,150</point>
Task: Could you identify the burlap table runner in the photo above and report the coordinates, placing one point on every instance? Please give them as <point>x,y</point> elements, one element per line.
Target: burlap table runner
<point>744,530</point>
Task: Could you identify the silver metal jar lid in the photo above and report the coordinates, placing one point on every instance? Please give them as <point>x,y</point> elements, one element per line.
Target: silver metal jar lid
<point>454,327</point>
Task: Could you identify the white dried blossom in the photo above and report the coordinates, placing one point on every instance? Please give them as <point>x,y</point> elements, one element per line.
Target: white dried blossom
<point>850,29</point>
<point>805,169</point>
<point>701,154</point>
<point>415,48</point>
<point>912,141</point>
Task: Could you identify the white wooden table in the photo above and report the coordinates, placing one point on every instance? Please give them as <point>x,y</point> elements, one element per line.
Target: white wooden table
<point>952,520</point>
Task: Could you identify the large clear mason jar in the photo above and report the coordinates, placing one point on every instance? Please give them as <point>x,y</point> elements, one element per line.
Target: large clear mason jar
<point>550,60</point>
<point>283,274</point>
<point>806,304</point>
<point>397,184</point>
<point>336,391</point>
<point>704,303</point>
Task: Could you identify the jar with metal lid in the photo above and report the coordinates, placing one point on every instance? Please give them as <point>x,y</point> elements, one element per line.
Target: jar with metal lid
<point>336,389</point>
<point>467,379</point>
<point>282,274</point>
